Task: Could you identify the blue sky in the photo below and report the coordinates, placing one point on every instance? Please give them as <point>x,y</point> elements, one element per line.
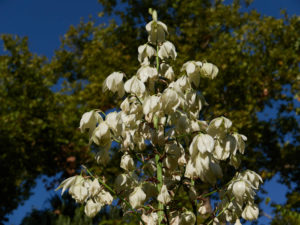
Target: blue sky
<point>45,21</point>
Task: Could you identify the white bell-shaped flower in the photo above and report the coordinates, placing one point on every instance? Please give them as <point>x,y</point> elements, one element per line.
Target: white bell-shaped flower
<point>218,127</point>
<point>104,197</point>
<point>239,189</point>
<point>79,192</point>
<point>95,188</point>
<point>145,51</point>
<point>192,69</point>
<point>167,50</point>
<point>250,212</point>
<point>157,31</point>
<point>205,143</point>
<point>147,72</point>
<point>67,183</point>
<point>114,83</point>
<point>92,208</point>
<point>167,71</point>
<point>101,135</point>
<point>127,162</point>
<point>240,139</point>
<point>209,70</point>
<point>137,197</point>
<point>151,219</point>
<point>135,86</point>
<point>164,196</point>
<point>187,218</point>
<point>114,121</point>
<point>152,104</point>
<point>89,120</point>
<point>170,100</point>
<point>254,178</point>
<point>237,222</point>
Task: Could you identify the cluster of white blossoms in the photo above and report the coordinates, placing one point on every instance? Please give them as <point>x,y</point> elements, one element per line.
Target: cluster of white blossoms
<point>165,146</point>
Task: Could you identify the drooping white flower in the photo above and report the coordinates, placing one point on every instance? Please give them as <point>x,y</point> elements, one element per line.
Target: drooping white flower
<point>167,50</point>
<point>237,222</point>
<point>101,135</point>
<point>145,51</point>
<point>147,72</point>
<point>205,143</point>
<point>167,71</point>
<point>250,212</point>
<point>151,219</point>
<point>187,218</point>
<point>67,183</point>
<point>254,178</point>
<point>92,208</point>
<point>170,100</point>
<point>135,86</point>
<point>102,156</point>
<point>209,70</point>
<point>218,127</point>
<point>151,104</point>
<point>192,69</point>
<point>127,162</point>
<point>137,197</point>
<point>89,120</point>
<point>164,196</point>
<point>114,83</point>
<point>104,197</point>
<point>114,122</point>
<point>157,31</point>
<point>240,139</point>
<point>79,191</point>
<point>95,188</point>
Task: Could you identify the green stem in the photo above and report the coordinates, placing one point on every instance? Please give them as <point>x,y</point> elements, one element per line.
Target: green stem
<point>159,185</point>
<point>115,194</point>
<point>194,203</point>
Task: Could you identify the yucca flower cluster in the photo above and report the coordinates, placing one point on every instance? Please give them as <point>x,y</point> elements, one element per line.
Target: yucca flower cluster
<point>165,145</point>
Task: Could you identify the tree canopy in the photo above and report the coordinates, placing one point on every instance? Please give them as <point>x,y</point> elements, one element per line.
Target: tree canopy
<point>259,60</point>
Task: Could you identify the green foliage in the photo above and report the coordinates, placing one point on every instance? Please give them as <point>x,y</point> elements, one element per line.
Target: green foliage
<point>285,216</point>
